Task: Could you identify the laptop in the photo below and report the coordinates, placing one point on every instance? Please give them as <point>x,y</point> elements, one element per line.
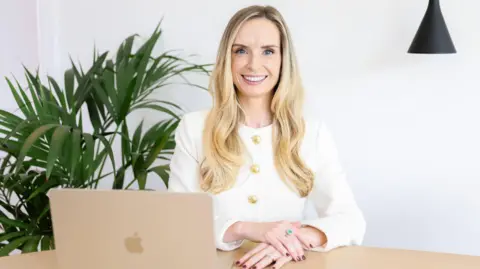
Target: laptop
<point>125,229</point>
<point>34,260</point>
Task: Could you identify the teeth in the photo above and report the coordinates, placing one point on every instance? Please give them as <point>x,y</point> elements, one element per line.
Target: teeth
<point>255,79</point>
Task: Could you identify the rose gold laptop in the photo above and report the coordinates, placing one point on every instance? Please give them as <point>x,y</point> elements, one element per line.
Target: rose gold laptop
<point>34,260</point>
<point>120,229</point>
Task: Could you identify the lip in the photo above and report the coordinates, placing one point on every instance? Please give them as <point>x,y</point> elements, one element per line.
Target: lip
<point>250,82</point>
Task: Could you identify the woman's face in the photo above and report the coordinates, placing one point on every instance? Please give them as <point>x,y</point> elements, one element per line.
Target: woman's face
<point>256,58</point>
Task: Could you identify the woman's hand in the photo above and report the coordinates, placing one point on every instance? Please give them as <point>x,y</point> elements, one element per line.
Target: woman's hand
<point>311,237</point>
<point>281,235</point>
<point>262,256</point>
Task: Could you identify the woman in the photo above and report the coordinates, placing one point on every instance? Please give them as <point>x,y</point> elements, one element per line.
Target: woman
<point>261,161</point>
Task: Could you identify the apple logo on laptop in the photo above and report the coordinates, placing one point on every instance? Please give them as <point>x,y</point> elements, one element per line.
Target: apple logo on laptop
<point>133,244</point>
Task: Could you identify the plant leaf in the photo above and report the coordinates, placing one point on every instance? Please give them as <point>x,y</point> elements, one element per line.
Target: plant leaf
<point>45,243</point>
<point>142,179</point>
<point>32,244</point>
<point>136,137</point>
<point>119,179</point>
<point>31,140</point>
<point>160,143</point>
<point>8,236</point>
<point>21,104</point>
<point>75,152</point>
<point>14,223</point>
<point>44,188</point>
<point>162,172</point>
<point>126,146</point>
<point>56,145</point>
<point>108,147</point>
<point>60,94</point>
<point>15,244</point>
<point>94,115</point>
<point>26,99</point>
<point>69,81</point>
<point>89,151</point>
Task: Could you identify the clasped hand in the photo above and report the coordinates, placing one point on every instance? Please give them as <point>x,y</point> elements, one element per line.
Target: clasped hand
<point>280,243</point>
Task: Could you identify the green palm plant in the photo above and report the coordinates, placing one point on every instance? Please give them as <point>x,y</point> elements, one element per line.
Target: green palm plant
<point>46,146</point>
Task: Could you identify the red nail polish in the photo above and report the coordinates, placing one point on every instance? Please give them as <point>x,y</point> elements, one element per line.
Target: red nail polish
<point>288,254</point>
<point>311,245</point>
<point>303,257</point>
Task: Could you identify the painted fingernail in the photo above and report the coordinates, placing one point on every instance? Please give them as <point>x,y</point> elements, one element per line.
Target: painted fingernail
<point>274,262</point>
<point>303,257</point>
<point>237,262</point>
<point>311,245</point>
<point>288,254</point>
<point>254,267</point>
<point>299,259</point>
<point>244,266</point>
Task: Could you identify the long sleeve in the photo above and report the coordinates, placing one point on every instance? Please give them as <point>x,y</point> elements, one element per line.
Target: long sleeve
<point>339,217</point>
<point>185,176</point>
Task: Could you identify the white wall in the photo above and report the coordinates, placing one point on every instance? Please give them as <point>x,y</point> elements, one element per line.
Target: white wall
<point>406,125</point>
<point>18,46</point>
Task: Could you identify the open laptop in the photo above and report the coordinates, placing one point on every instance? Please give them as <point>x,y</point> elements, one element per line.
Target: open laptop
<point>124,229</point>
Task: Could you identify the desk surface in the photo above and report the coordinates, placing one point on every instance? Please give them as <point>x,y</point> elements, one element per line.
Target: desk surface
<point>342,258</point>
<point>371,258</point>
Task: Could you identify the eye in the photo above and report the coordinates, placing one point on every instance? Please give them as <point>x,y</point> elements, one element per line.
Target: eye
<point>240,51</point>
<point>268,52</point>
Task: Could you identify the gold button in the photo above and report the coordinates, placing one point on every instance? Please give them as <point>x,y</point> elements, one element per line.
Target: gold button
<point>256,139</point>
<point>255,168</point>
<point>252,199</point>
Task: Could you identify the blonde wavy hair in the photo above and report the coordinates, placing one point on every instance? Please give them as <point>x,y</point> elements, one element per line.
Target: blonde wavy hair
<point>223,147</point>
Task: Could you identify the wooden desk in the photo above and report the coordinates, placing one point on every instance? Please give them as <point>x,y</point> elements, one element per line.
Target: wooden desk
<point>372,258</point>
<point>342,258</point>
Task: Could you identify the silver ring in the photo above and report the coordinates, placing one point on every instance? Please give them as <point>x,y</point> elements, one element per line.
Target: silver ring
<point>271,257</point>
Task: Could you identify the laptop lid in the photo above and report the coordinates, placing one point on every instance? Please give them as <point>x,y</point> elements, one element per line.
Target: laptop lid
<point>35,260</point>
<point>125,229</point>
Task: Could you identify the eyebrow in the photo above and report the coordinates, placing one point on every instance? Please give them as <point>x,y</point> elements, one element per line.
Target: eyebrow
<point>263,47</point>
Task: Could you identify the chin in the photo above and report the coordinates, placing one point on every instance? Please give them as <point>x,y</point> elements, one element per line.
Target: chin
<point>254,92</point>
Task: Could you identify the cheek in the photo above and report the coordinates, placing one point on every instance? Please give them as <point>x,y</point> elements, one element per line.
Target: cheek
<point>237,65</point>
<point>274,66</point>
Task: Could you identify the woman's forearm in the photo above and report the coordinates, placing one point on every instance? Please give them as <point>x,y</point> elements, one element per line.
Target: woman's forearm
<point>243,230</point>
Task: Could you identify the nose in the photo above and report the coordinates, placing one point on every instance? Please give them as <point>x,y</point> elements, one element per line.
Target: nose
<point>254,62</point>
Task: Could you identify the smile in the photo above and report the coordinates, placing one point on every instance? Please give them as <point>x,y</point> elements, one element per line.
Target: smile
<point>253,80</point>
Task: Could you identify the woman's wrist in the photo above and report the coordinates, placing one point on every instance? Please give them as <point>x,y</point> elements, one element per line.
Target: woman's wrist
<point>238,231</point>
<point>318,235</point>
<point>244,230</point>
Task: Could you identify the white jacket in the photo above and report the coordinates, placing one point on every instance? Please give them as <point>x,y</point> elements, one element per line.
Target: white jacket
<point>260,195</point>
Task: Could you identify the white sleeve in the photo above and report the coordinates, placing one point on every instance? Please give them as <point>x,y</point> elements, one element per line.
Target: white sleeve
<point>339,216</point>
<point>185,177</point>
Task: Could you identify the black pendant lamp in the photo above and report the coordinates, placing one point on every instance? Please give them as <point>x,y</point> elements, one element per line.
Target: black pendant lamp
<point>432,36</point>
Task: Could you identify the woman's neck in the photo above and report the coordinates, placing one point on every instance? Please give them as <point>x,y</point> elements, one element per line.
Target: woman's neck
<point>257,112</point>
